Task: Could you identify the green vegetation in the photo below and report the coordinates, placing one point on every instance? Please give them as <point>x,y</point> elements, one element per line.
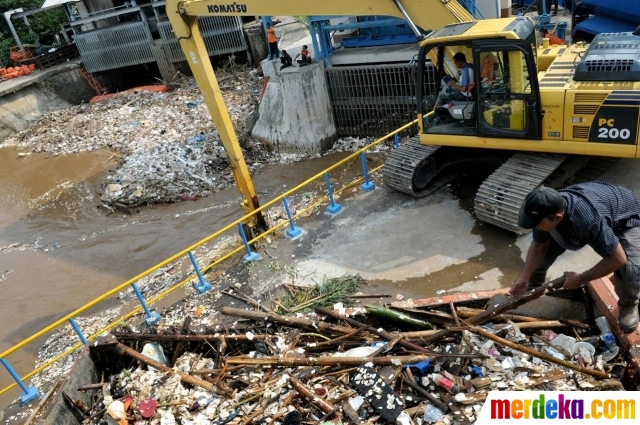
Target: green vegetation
<point>325,294</point>
<point>44,24</point>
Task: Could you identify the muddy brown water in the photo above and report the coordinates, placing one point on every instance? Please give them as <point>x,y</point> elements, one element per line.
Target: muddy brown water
<point>58,251</point>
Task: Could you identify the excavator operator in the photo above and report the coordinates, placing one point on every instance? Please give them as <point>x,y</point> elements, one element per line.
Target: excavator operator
<point>462,91</point>
<point>597,214</point>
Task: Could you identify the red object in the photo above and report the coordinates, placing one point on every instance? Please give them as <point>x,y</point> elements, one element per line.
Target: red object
<point>445,383</point>
<point>147,407</point>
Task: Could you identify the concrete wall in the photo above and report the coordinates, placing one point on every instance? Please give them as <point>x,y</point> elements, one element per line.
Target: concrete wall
<point>22,108</point>
<point>71,87</point>
<point>295,111</point>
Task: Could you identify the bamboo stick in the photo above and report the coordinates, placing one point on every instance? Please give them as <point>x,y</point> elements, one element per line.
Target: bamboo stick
<point>466,312</point>
<point>178,337</point>
<point>44,400</point>
<point>543,324</point>
<point>501,308</point>
<point>382,334</point>
<point>538,354</point>
<point>89,387</point>
<point>328,361</point>
<point>157,365</point>
<point>306,392</point>
<point>333,341</point>
<point>285,320</point>
<point>440,405</point>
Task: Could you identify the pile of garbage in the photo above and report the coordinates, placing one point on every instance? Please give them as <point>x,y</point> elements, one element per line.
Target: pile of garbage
<point>388,364</point>
<point>166,143</point>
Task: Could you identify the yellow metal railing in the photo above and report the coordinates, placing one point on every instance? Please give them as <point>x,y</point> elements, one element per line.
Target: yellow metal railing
<point>184,252</point>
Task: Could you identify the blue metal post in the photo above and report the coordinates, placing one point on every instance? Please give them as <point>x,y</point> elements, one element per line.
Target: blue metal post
<point>314,41</point>
<point>396,140</point>
<point>333,208</point>
<point>152,316</point>
<point>294,231</point>
<point>28,393</point>
<point>367,186</point>
<point>203,286</point>
<point>76,328</point>
<point>250,255</point>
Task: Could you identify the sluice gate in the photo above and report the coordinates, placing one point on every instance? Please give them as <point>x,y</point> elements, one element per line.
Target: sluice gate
<point>373,100</point>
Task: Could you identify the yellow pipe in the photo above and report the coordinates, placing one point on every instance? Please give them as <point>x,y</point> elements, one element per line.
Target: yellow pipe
<point>183,252</point>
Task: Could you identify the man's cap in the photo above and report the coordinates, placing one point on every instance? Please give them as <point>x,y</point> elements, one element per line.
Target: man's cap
<point>540,203</point>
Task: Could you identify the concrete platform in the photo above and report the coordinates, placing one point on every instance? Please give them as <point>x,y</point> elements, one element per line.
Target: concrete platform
<point>418,248</point>
<point>14,85</point>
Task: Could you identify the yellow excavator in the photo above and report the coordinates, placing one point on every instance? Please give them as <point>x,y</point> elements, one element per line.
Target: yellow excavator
<point>536,114</point>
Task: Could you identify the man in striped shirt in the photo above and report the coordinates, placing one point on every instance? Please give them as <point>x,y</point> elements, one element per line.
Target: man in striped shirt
<point>597,214</point>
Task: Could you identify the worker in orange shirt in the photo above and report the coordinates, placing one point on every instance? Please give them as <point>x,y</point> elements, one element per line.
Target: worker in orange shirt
<point>273,42</point>
<point>306,56</point>
<point>544,33</point>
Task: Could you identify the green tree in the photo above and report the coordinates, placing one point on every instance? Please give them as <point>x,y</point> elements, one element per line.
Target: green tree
<point>44,24</point>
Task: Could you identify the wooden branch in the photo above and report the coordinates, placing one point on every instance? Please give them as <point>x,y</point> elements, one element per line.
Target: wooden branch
<point>382,334</point>
<point>157,365</point>
<point>538,354</point>
<point>501,308</point>
<point>285,320</point>
<point>328,361</point>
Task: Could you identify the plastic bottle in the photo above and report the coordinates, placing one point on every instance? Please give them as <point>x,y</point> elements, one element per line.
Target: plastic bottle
<point>445,383</point>
<point>432,414</point>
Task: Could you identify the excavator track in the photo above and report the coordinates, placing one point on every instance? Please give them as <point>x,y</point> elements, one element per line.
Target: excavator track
<point>501,195</point>
<point>403,169</point>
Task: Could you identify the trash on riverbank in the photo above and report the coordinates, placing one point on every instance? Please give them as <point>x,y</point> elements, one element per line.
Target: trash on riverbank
<point>345,365</point>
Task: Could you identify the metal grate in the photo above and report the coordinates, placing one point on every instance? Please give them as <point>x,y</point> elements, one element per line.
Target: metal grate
<point>374,100</point>
<point>609,65</point>
<point>221,34</point>
<point>585,109</point>
<point>115,47</point>
<point>590,97</point>
<point>580,132</point>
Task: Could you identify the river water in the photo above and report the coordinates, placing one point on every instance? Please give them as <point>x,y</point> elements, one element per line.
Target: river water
<point>58,251</point>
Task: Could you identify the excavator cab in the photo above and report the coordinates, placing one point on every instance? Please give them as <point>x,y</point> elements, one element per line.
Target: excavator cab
<point>506,96</point>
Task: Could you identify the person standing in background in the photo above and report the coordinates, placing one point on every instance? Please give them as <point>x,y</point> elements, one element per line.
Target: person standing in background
<point>273,42</point>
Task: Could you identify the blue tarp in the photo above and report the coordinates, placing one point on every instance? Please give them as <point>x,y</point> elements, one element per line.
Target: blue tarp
<point>627,10</point>
<point>600,24</point>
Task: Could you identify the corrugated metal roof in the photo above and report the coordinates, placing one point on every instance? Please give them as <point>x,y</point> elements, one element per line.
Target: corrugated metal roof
<point>52,3</point>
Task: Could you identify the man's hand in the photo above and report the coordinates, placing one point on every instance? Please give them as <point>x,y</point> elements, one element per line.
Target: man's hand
<point>518,288</point>
<point>573,280</point>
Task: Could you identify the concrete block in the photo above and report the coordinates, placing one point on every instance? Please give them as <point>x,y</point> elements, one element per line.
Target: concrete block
<point>295,112</point>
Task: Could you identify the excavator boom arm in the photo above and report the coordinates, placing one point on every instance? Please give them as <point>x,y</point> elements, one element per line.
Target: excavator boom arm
<point>427,14</point>
<point>183,14</point>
